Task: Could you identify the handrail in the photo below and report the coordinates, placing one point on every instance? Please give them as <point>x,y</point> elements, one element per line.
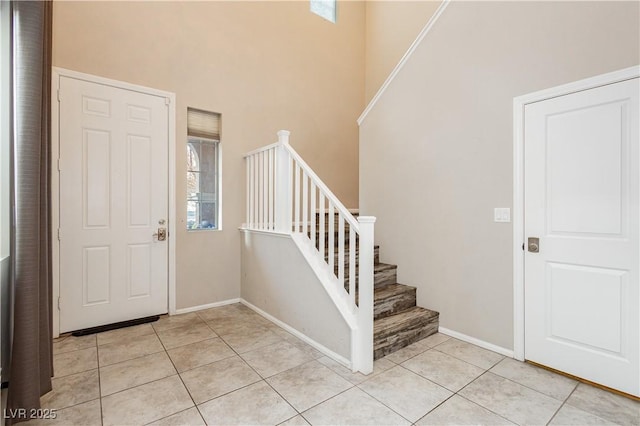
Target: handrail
<point>258,150</point>
<point>285,195</point>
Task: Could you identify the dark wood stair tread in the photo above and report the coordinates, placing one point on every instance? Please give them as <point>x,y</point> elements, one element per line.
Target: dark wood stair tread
<point>380,267</point>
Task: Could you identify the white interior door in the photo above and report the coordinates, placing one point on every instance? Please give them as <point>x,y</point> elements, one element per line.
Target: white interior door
<point>113,198</point>
<point>581,201</point>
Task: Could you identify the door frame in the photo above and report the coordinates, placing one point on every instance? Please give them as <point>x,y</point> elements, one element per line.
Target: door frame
<point>56,73</point>
<point>519,104</point>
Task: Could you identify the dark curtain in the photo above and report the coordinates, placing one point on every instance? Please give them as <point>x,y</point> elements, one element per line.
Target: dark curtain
<point>31,363</point>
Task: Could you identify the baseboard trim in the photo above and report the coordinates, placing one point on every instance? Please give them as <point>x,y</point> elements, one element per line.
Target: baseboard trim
<point>477,342</point>
<point>323,349</point>
<point>207,306</point>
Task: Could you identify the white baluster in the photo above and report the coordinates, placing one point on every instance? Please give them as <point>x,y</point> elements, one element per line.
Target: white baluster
<point>331,244</point>
<point>305,203</point>
<point>296,193</point>
<point>312,232</point>
<point>341,258</point>
<point>321,218</point>
<point>270,185</point>
<point>250,191</point>
<point>283,184</point>
<point>352,267</point>
<point>262,189</point>
<point>256,191</point>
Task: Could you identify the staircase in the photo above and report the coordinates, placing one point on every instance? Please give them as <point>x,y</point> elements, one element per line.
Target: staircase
<point>285,196</point>
<point>398,322</point>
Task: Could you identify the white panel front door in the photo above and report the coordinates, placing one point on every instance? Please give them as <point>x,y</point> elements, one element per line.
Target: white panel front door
<point>582,191</point>
<point>113,198</point>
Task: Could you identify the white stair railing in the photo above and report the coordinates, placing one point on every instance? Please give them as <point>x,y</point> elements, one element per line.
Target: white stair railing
<point>285,195</point>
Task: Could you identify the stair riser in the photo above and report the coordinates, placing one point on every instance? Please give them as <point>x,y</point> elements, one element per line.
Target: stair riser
<point>389,276</point>
<point>385,343</point>
<point>393,304</point>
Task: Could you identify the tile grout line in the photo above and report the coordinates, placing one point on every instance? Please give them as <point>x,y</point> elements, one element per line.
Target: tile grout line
<point>325,400</point>
<point>470,363</point>
<point>563,403</point>
<point>420,353</point>
<point>166,417</point>
<point>250,366</point>
<point>485,408</point>
<point>530,388</point>
<point>99,382</point>
<point>479,405</point>
<point>430,381</point>
<point>264,379</point>
<point>384,404</point>
<point>179,377</point>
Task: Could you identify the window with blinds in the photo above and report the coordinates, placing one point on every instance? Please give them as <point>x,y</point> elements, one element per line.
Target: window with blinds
<point>203,169</point>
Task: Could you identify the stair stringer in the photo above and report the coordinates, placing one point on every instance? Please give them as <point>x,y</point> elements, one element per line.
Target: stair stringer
<point>277,280</point>
<point>329,281</point>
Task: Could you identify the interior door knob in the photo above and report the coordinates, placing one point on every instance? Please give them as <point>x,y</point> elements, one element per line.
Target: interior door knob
<point>533,244</point>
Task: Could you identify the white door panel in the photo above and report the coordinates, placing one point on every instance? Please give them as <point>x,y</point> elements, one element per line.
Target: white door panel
<point>581,200</point>
<point>113,198</point>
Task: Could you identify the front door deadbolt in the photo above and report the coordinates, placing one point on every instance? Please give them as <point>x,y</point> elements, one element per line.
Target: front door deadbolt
<point>161,235</point>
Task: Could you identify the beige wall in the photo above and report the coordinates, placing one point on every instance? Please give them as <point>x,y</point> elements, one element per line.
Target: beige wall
<point>436,151</point>
<point>391,27</point>
<point>264,66</point>
<point>278,279</point>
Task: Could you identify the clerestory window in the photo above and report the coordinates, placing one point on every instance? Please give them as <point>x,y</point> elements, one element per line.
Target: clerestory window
<point>325,9</point>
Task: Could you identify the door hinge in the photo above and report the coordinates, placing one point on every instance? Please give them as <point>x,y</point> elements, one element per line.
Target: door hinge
<point>167,101</point>
<point>59,234</point>
<point>58,94</point>
<point>59,166</point>
<point>58,302</point>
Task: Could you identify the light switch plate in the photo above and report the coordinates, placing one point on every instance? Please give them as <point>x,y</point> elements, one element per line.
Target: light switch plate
<point>502,214</point>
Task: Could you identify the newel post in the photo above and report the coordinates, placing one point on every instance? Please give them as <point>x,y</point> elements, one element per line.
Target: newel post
<point>283,184</point>
<point>363,358</point>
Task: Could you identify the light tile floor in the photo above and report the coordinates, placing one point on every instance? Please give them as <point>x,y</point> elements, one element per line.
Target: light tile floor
<point>230,366</point>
